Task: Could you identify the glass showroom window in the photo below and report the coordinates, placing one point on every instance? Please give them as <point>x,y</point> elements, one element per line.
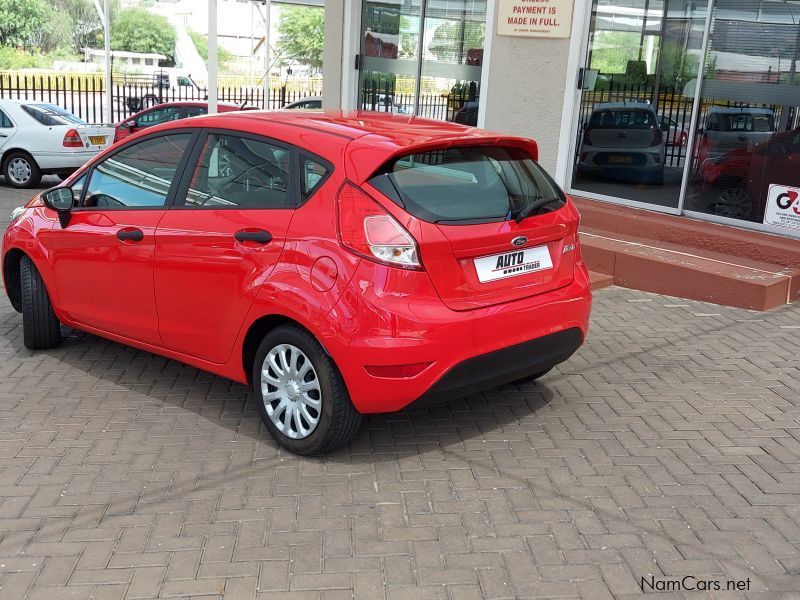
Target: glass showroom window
<point>422,57</point>
<point>746,160</point>
<point>642,65</point>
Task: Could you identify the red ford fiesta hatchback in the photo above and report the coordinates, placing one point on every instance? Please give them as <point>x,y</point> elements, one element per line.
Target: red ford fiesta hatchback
<point>342,264</point>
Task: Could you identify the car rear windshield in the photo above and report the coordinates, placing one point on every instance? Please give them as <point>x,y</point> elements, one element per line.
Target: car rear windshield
<point>51,115</point>
<point>622,119</point>
<point>743,123</point>
<point>469,184</point>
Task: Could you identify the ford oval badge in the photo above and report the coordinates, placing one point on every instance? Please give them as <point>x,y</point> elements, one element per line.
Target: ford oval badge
<point>520,241</point>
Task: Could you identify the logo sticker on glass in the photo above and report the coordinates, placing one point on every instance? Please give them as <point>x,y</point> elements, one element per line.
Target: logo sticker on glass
<point>783,207</point>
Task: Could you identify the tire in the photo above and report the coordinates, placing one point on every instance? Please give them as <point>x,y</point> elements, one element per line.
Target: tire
<point>64,175</point>
<point>532,378</point>
<point>327,400</point>
<point>40,327</point>
<point>21,171</point>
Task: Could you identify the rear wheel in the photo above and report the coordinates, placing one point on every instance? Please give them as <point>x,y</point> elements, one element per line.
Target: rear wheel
<point>301,395</point>
<point>40,326</point>
<point>21,171</point>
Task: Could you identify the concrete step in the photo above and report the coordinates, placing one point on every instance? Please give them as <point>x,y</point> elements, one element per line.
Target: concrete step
<point>687,272</point>
<point>600,280</point>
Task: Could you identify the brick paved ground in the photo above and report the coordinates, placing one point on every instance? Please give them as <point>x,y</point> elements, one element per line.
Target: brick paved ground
<point>669,446</point>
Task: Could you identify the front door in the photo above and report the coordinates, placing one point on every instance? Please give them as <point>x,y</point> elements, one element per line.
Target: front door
<point>103,258</point>
<point>221,241</point>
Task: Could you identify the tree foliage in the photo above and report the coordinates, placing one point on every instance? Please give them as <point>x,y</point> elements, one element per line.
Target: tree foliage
<point>200,42</point>
<point>21,20</point>
<point>302,32</point>
<point>452,39</point>
<point>137,30</point>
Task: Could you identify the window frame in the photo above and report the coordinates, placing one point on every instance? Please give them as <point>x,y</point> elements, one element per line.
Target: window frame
<point>294,196</point>
<point>169,200</point>
<point>5,114</point>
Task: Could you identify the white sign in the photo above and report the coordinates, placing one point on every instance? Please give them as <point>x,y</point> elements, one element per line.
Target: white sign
<point>783,207</point>
<point>535,18</point>
<point>512,264</point>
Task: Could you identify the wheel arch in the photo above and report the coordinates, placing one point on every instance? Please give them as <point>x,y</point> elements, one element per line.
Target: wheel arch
<point>256,332</point>
<point>11,276</point>
<point>6,153</point>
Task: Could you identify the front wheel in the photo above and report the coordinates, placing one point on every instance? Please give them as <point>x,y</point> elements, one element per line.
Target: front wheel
<point>301,395</point>
<point>40,326</point>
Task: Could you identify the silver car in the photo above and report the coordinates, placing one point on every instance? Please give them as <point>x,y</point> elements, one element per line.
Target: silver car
<point>624,141</point>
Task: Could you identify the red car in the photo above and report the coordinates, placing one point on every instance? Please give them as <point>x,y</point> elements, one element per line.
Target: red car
<point>162,113</point>
<point>341,264</point>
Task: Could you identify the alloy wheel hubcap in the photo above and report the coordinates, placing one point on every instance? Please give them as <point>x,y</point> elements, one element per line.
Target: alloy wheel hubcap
<point>19,170</point>
<point>290,391</point>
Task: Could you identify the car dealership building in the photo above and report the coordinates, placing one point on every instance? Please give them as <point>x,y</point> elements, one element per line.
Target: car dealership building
<point>685,107</point>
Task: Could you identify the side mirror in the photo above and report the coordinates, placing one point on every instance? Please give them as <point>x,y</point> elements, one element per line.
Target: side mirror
<point>665,127</point>
<point>60,200</point>
<point>129,124</point>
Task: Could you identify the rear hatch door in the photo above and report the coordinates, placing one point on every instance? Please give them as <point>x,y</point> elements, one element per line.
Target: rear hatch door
<point>491,225</point>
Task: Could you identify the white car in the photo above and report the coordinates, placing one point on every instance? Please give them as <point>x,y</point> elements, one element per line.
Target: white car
<point>38,138</point>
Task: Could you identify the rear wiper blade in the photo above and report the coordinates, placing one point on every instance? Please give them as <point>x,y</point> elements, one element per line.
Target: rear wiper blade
<point>526,212</point>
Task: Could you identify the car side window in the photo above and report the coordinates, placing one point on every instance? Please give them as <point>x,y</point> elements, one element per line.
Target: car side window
<point>240,171</point>
<point>313,173</point>
<point>5,122</point>
<point>194,111</point>
<point>158,115</point>
<point>139,175</point>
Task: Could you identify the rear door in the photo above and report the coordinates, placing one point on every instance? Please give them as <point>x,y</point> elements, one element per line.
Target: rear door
<point>482,239</point>
<point>220,242</point>
<point>7,130</point>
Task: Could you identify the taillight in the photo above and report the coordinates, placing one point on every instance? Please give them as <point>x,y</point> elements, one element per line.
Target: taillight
<point>72,139</point>
<point>586,137</point>
<point>367,229</point>
<point>684,138</point>
<point>658,137</point>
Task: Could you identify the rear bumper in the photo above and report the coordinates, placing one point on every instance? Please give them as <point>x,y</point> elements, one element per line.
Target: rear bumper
<point>57,161</point>
<point>461,351</point>
<point>508,364</point>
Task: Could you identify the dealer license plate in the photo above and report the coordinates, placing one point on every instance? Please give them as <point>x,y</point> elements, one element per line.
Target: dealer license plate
<point>513,264</point>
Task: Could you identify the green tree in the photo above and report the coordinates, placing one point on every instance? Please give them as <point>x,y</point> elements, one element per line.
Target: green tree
<point>301,31</point>
<point>21,20</point>
<point>200,42</point>
<point>137,30</point>
<point>452,39</point>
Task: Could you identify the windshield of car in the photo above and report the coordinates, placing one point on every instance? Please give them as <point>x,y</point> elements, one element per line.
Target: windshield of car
<point>622,119</point>
<point>469,184</point>
<point>52,115</point>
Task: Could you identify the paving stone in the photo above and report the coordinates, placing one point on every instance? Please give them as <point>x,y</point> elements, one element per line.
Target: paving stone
<point>668,445</point>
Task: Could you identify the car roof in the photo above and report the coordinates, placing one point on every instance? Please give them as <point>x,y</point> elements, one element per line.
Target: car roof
<point>371,138</point>
<point>625,105</point>
<point>738,110</point>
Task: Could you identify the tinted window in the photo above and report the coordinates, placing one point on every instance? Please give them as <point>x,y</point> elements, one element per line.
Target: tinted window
<point>193,111</point>
<point>4,120</point>
<point>51,115</point>
<point>469,184</point>
<point>139,175</point>
<point>742,123</point>
<point>622,119</point>
<point>313,172</point>
<point>158,116</point>
<point>237,171</point>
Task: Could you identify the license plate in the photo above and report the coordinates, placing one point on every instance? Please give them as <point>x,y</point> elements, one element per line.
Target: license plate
<point>620,160</point>
<point>513,264</point>
<point>97,140</point>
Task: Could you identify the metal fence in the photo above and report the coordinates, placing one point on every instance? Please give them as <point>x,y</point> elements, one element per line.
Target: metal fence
<point>84,96</point>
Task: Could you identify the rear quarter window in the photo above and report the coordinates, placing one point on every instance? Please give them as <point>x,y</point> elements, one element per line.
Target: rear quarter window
<point>468,184</point>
